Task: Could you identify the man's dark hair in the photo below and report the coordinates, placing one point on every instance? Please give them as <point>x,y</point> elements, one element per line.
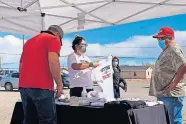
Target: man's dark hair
<point>77,40</point>
<point>56,29</point>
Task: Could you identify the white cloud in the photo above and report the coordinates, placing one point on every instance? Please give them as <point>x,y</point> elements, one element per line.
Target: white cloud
<point>10,44</point>
<point>136,46</point>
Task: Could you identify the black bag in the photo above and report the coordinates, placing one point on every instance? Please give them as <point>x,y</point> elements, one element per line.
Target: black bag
<point>126,104</point>
<point>133,104</point>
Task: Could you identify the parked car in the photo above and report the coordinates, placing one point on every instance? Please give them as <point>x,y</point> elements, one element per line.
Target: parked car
<point>4,72</point>
<point>65,79</point>
<point>10,81</point>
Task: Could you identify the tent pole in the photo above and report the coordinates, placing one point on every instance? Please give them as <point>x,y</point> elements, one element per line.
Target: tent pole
<point>0,61</point>
<point>23,40</point>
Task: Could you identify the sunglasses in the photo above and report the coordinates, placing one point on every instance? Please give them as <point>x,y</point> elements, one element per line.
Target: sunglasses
<point>83,45</point>
<point>162,38</point>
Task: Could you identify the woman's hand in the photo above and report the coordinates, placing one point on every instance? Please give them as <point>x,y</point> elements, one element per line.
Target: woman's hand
<point>96,64</point>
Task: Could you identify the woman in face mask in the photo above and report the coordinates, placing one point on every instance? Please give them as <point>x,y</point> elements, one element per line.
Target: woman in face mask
<point>116,76</point>
<point>78,64</point>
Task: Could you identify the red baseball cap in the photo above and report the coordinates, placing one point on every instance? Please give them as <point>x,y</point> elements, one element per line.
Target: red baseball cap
<point>165,31</point>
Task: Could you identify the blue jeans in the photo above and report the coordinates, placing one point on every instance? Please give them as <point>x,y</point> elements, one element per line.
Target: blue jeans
<point>116,92</point>
<point>43,101</point>
<point>174,106</point>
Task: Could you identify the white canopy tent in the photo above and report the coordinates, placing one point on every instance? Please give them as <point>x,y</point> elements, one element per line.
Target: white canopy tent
<point>29,17</point>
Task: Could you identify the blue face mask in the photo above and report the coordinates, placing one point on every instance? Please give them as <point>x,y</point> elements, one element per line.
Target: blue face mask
<point>161,43</point>
<point>115,64</point>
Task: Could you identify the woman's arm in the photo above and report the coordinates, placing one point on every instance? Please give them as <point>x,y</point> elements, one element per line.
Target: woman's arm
<point>80,66</point>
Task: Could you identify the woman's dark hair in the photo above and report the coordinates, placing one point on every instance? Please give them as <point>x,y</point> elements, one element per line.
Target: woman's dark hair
<point>118,67</point>
<point>77,40</point>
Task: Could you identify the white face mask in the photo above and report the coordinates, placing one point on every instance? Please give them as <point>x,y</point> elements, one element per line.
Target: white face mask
<point>115,64</point>
<point>83,49</point>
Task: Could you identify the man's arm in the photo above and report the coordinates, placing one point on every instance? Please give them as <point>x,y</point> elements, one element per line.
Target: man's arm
<point>54,65</point>
<point>180,73</point>
<point>180,66</point>
<point>54,48</point>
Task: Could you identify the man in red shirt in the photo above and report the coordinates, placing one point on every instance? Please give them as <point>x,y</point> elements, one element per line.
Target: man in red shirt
<point>39,67</point>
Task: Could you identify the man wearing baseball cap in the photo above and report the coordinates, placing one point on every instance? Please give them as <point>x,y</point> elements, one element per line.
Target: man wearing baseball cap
<point>168,81</point>
<point>39,66</point>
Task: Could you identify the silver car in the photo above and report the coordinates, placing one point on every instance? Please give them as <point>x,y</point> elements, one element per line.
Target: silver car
<point>10,81</point>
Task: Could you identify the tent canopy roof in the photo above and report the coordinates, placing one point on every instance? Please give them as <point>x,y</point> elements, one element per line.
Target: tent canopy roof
<point>31,16</point>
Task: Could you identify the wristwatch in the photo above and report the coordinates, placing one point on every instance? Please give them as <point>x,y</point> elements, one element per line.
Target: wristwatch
<point>91,64</point>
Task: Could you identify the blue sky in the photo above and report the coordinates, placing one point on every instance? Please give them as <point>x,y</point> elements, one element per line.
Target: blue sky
<point>122,32</point>
<point>122,40</point>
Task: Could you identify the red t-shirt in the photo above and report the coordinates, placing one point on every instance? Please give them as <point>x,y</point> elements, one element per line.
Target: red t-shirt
<point>35,71</point>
